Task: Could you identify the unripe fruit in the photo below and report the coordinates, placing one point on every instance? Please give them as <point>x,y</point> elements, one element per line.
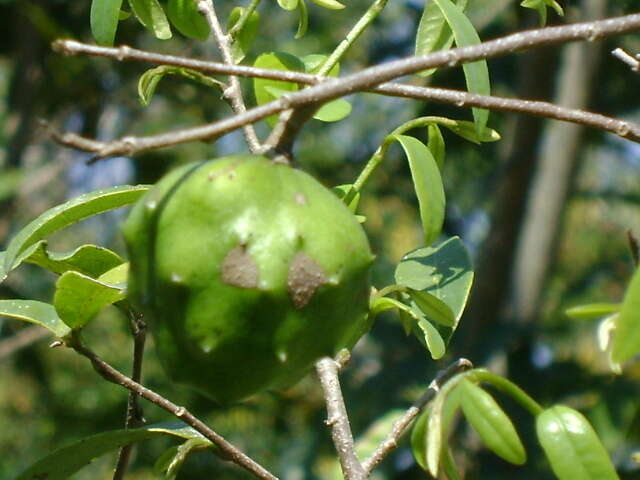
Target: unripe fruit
<point>248,272</point>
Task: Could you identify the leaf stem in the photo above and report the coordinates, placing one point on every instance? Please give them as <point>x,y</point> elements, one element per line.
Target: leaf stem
<point>509,388</point>
<point>361,25</point>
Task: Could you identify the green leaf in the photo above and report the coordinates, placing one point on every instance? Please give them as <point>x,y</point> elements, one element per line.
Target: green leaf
<point>572,446</point>
<point>626,341</point>
<point>330,4</point>
<point>151,15</point>
<point>171,461</point>
<point>104,18</point>
<point>242,41</point>
<point>266,90</point>
<point>433,308</point>
<point>491,423</point>
<point>88,259</point>
<point>303,19</point>
<point>592,311</point>
<point>419,439</point>
<point>476,73</point>
<point>314,62</point>
<point>40,313</point>
<point>436,144</point>
<point>541,6</point>
<point>427,183</point>
<point>149,80</point>
<point>444,271</point>
<point>468,131</point>
<point>78,298</point>
<point>288,4</point>
<point>333,111</point>
<point>433,32</point>
<point>433,339</point>
<point>64,462</point>
<point>184,15</point>
<point>67,214</point>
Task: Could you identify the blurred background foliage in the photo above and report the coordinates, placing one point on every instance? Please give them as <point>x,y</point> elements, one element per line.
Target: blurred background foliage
<point>497,202</point>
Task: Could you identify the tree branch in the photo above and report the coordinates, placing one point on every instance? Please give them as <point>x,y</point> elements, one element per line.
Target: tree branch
<point>234,92</point>
<point>338,420</point>
<point>112,375</point>
<point>371,78</point>
<point>633,62</point>
<point>401,425</point>
<point>134,417</point>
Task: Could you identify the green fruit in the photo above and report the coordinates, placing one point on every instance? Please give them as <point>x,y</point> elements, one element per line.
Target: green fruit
<point>248,272</point>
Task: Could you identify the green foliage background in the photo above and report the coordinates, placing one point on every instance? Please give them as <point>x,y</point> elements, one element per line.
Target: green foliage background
<point>51,396</point>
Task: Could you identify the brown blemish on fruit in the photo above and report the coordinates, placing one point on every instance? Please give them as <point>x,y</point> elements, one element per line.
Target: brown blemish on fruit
<point>305,276</point>
<point>229,169</point>
<point>300,199</point>
<point>239,269</point>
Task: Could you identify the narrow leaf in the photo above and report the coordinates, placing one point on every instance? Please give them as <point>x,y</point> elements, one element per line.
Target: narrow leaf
<point>88,259</point>
<point>151,15</point>
<point>303,19</point>
<point>66,461</point>
<point>626,341</point>
<point>184,15</point>
<point>330,4</point>
<point>104,18</point>
<point>436,144</point>
<point>491,423</point>
<point>433,308</point>
<point>427,183</point>
<point>149,80</point>
<point>468,131</point>
<point>572,446</point>
<point>67,214</point>
<point>433,32</point>
<point>433,339</point>
<point>476,73</point>
<point>592,311</point>
<point>32,311</point>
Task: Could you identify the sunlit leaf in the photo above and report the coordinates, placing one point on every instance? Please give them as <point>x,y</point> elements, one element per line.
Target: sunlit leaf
<point>67,214</point>
<point>541,6</point>
<point>303,19</point>
<point>436,144</point>
<point>468,131</point>
<point>267,90</point>
<point>88,259</point>
<point>104,19</point>
<point>592,311</point>
<point>333,111</point>
<point>433,308</point>
<point>427,184</point>
<point>78,298</point>
<point>433,32</point>
<point>151,15</point>
<point>32,311</point>
<point>64,462</point>
<point>491,423</point>
<point>572,446</point>
<point>476,73</point>
<point>184,15</point>
<point>433,339</point>
<point>444,271</point>
<point>330,4</point>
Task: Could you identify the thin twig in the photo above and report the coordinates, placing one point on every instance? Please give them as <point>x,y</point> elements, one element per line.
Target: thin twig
<point>371,77</point>
<point>402,424</point>
<point>112,375</point>
<point>23,338</point>
<point>234,92</point>
<point>338,420</point>
<point>134,417</point>
<point>633,62</point>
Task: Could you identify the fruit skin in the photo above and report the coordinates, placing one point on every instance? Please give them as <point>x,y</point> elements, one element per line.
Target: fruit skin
<point>248,272</point>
